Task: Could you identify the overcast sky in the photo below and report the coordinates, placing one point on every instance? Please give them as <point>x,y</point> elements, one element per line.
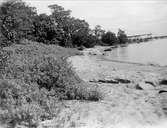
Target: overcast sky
<point>135,17</point>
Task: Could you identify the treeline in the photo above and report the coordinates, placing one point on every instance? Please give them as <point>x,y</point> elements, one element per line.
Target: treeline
<point>19,21</point>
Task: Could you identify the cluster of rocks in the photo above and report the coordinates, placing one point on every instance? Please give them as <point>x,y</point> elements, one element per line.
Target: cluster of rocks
<point>145,85</point>
<point>112,81</point>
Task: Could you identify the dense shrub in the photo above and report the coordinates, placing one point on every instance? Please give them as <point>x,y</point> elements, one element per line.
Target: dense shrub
<point>4,57</point>
<point>46,31</point>
<point>22,103</point>
<point>122,37</point>
<point>16,21</point>
<point>19,21</point>
<point>90,41</point>
<point>82,39</point>
<point>39,64</point>
<point>109,38</point>
<point>34,79</point>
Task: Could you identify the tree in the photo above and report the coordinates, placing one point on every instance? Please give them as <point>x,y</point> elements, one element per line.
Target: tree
<point>46,30</point>
<point>122,37</point>
<point>109,38</point>
<point>62,18</point>
<point>59,14</point>
<point>98,31</point>
<point>16,20</point>
<point>74,30</point>
<point>73,27</point>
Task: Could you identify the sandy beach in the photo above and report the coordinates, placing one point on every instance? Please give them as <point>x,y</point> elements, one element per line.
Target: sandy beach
<point>130,91</point>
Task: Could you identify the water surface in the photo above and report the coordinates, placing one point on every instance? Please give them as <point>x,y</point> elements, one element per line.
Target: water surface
<point>153,52</point>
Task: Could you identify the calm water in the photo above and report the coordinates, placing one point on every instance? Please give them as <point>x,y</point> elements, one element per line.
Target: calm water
<point>153,52</point>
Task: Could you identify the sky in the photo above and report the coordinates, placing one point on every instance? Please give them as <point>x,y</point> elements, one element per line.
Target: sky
<point>133,16</point>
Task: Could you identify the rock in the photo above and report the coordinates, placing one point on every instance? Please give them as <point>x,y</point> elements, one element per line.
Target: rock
<point>108,49</point>
<point>144,86</point>
<point>138,87</point>
<point>149,82</point>
<point>123,81</point>
<point>105,81</point>
<point>164,82</point>
<point>113,81</point>
<point>109,81</point>
<point>162,91</point>
<point>81,48</point>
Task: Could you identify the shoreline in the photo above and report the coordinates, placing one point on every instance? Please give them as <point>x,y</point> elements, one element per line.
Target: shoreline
<point>103,52</point>
<point>127,87</point>
<point>133,63</point>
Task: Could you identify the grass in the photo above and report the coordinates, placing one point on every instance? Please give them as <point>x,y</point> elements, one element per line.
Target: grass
<point>34,79</point>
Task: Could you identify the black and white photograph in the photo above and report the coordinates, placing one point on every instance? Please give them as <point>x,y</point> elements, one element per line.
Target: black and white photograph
<point>83,63</point>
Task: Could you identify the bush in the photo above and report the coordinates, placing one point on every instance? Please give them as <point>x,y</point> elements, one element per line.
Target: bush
<point>83,39</point>
<point>90,41</point>
<point>23,103</point>
<point>109,38</point>
<point>122,37</point>
<point>57,75</point>
<point>34,81</point>
<point>16,21</point>
<point>39,64</point>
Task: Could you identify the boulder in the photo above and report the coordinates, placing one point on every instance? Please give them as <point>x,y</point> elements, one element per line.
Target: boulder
<point>105,81</point>
<point>109,81</point>
<point>123,81</point>
<point>164,82</point>
<point>108,49</point>
<point>150,82</point>
<point>144,86</point>
<point>112,81</point>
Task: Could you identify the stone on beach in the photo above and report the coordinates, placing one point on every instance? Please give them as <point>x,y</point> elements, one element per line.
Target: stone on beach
<point>144,86</point>
<point>164,82</point>
<point>134,95</point>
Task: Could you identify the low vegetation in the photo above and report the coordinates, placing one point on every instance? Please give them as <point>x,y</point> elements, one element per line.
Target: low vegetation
<point>35,79</point>
<point>35,76</point>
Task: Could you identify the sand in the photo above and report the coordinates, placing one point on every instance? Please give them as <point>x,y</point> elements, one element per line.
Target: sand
<point>124,105</point>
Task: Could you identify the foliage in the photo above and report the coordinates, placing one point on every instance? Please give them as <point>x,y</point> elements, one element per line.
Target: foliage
<point>98,31</point>
<point>109,38</point>
<point>73,29</point>
<point>23,103</point>
<point>34,78</point>
<point>122,37</point>
<point>19,21</point>
<point>16,20</point>
<point>45,30</point>
<point>81,39</point>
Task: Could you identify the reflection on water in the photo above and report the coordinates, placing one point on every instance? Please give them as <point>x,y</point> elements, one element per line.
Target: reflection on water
<point>154,52</point>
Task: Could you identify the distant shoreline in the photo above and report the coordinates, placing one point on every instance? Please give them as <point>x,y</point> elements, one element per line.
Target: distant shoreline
<point>100,52</point>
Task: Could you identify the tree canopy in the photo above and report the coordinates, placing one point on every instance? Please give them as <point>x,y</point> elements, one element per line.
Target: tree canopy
<point>19,21</point>
<point>110,38</point>
<point>122,37</point>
